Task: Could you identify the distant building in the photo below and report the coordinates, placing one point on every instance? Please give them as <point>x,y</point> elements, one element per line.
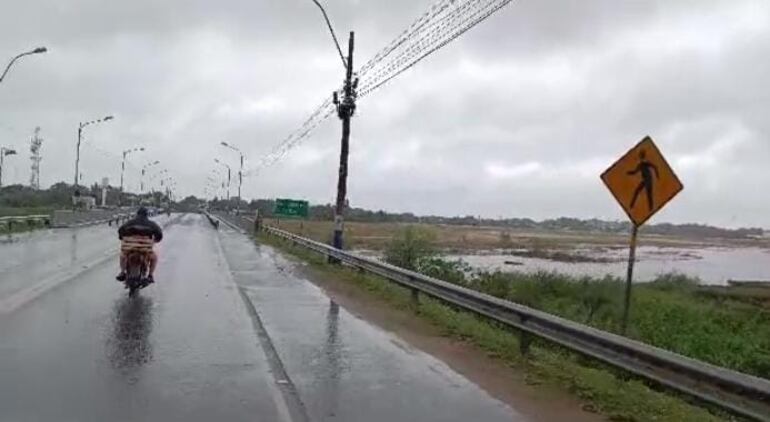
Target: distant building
<point>83,202</point>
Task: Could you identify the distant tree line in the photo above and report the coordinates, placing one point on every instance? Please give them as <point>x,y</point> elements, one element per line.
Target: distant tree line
<point>326,212</point>
<point>60,195</point>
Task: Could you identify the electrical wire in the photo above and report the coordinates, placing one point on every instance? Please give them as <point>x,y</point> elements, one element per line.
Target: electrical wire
<point>416,26</point>
<point>442,23</point>
<point>426,46</point>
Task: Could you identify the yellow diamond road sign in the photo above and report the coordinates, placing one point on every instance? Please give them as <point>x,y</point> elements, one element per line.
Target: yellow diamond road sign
<point>642,181</point>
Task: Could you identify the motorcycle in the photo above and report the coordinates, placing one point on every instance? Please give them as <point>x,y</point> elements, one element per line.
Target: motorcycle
<point>136,272</point>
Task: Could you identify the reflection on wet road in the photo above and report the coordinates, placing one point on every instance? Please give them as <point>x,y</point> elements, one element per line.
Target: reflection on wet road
<point>190,348</point>
<point>129,346</point>
<point>334,359</point>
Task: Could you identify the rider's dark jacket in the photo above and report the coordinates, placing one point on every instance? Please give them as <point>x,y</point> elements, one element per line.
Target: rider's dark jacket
<point>141,226</point>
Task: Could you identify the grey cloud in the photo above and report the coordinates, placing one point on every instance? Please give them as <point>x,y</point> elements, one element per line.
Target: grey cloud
<point>516,118</point>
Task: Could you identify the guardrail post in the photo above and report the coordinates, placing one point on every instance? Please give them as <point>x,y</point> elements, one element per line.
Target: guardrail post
<point>416,298</point>
<point>525,340</point>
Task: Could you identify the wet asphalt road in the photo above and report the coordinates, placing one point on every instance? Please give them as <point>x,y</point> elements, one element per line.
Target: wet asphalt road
<point>229,332</point>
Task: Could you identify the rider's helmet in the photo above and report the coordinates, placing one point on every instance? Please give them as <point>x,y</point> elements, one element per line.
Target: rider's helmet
<point>141,212</point>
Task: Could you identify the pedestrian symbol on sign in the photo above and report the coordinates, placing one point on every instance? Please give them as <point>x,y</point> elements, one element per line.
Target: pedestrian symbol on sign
<point>645,168</point>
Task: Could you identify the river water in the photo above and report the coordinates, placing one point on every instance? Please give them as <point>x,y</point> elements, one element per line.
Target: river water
<point>713,265</point>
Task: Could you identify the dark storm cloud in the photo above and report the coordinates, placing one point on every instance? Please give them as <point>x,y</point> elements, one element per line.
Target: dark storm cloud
<point>517,118</point>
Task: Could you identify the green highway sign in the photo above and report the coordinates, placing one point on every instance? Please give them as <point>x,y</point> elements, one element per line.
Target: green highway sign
<point>290,208</point>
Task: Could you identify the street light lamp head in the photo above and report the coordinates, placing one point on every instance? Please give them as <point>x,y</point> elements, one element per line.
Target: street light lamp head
<point>225,144</point>
<point>39,50</point>
<point>108,118</point>
<point>141,149</point>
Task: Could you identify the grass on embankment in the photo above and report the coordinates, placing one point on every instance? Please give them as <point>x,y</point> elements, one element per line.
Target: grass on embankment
<point>669,313</point>
<point>608,391</point>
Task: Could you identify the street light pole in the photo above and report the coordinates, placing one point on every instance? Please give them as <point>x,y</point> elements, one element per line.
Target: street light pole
<point>160,174</point>
<point>123,164</point>
<point>144,168</point>
<point>80,138</point>
<point>13,60</point>
<point>218,182</point>
<point>216,160</point>
<point>240,170</point>
<point>3,152</point>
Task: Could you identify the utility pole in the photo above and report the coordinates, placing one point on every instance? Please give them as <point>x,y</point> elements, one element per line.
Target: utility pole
<point>345,110</point>
<point>34,149</point>
<point>3,152</point>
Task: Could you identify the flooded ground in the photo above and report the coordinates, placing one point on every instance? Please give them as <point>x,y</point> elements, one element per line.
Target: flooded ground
<point>712,265</point>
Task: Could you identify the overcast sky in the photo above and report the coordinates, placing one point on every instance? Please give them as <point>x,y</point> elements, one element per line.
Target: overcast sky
<point>517,118</point>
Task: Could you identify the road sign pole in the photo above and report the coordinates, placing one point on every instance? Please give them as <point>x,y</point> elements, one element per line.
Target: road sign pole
<point>642,182</point>
<point>629,277</point>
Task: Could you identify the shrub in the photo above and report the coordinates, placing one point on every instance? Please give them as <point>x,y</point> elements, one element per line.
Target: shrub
<point>675,281</point>
<point>452,271</point>
<point>410,246</point>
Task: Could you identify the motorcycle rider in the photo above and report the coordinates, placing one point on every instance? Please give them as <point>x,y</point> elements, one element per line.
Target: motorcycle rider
<point>139,233</point>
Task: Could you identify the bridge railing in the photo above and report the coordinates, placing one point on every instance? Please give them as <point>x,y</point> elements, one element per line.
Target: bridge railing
<point>739,393</point>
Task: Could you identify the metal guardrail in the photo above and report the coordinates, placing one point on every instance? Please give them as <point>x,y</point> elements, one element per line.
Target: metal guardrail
<point>29,220</point>
<point>115,219</point>
<point>214,222</point>
<point>739,393</point>
<point>82,218</point>
<point>118,218</point>
<point>46,220</point>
